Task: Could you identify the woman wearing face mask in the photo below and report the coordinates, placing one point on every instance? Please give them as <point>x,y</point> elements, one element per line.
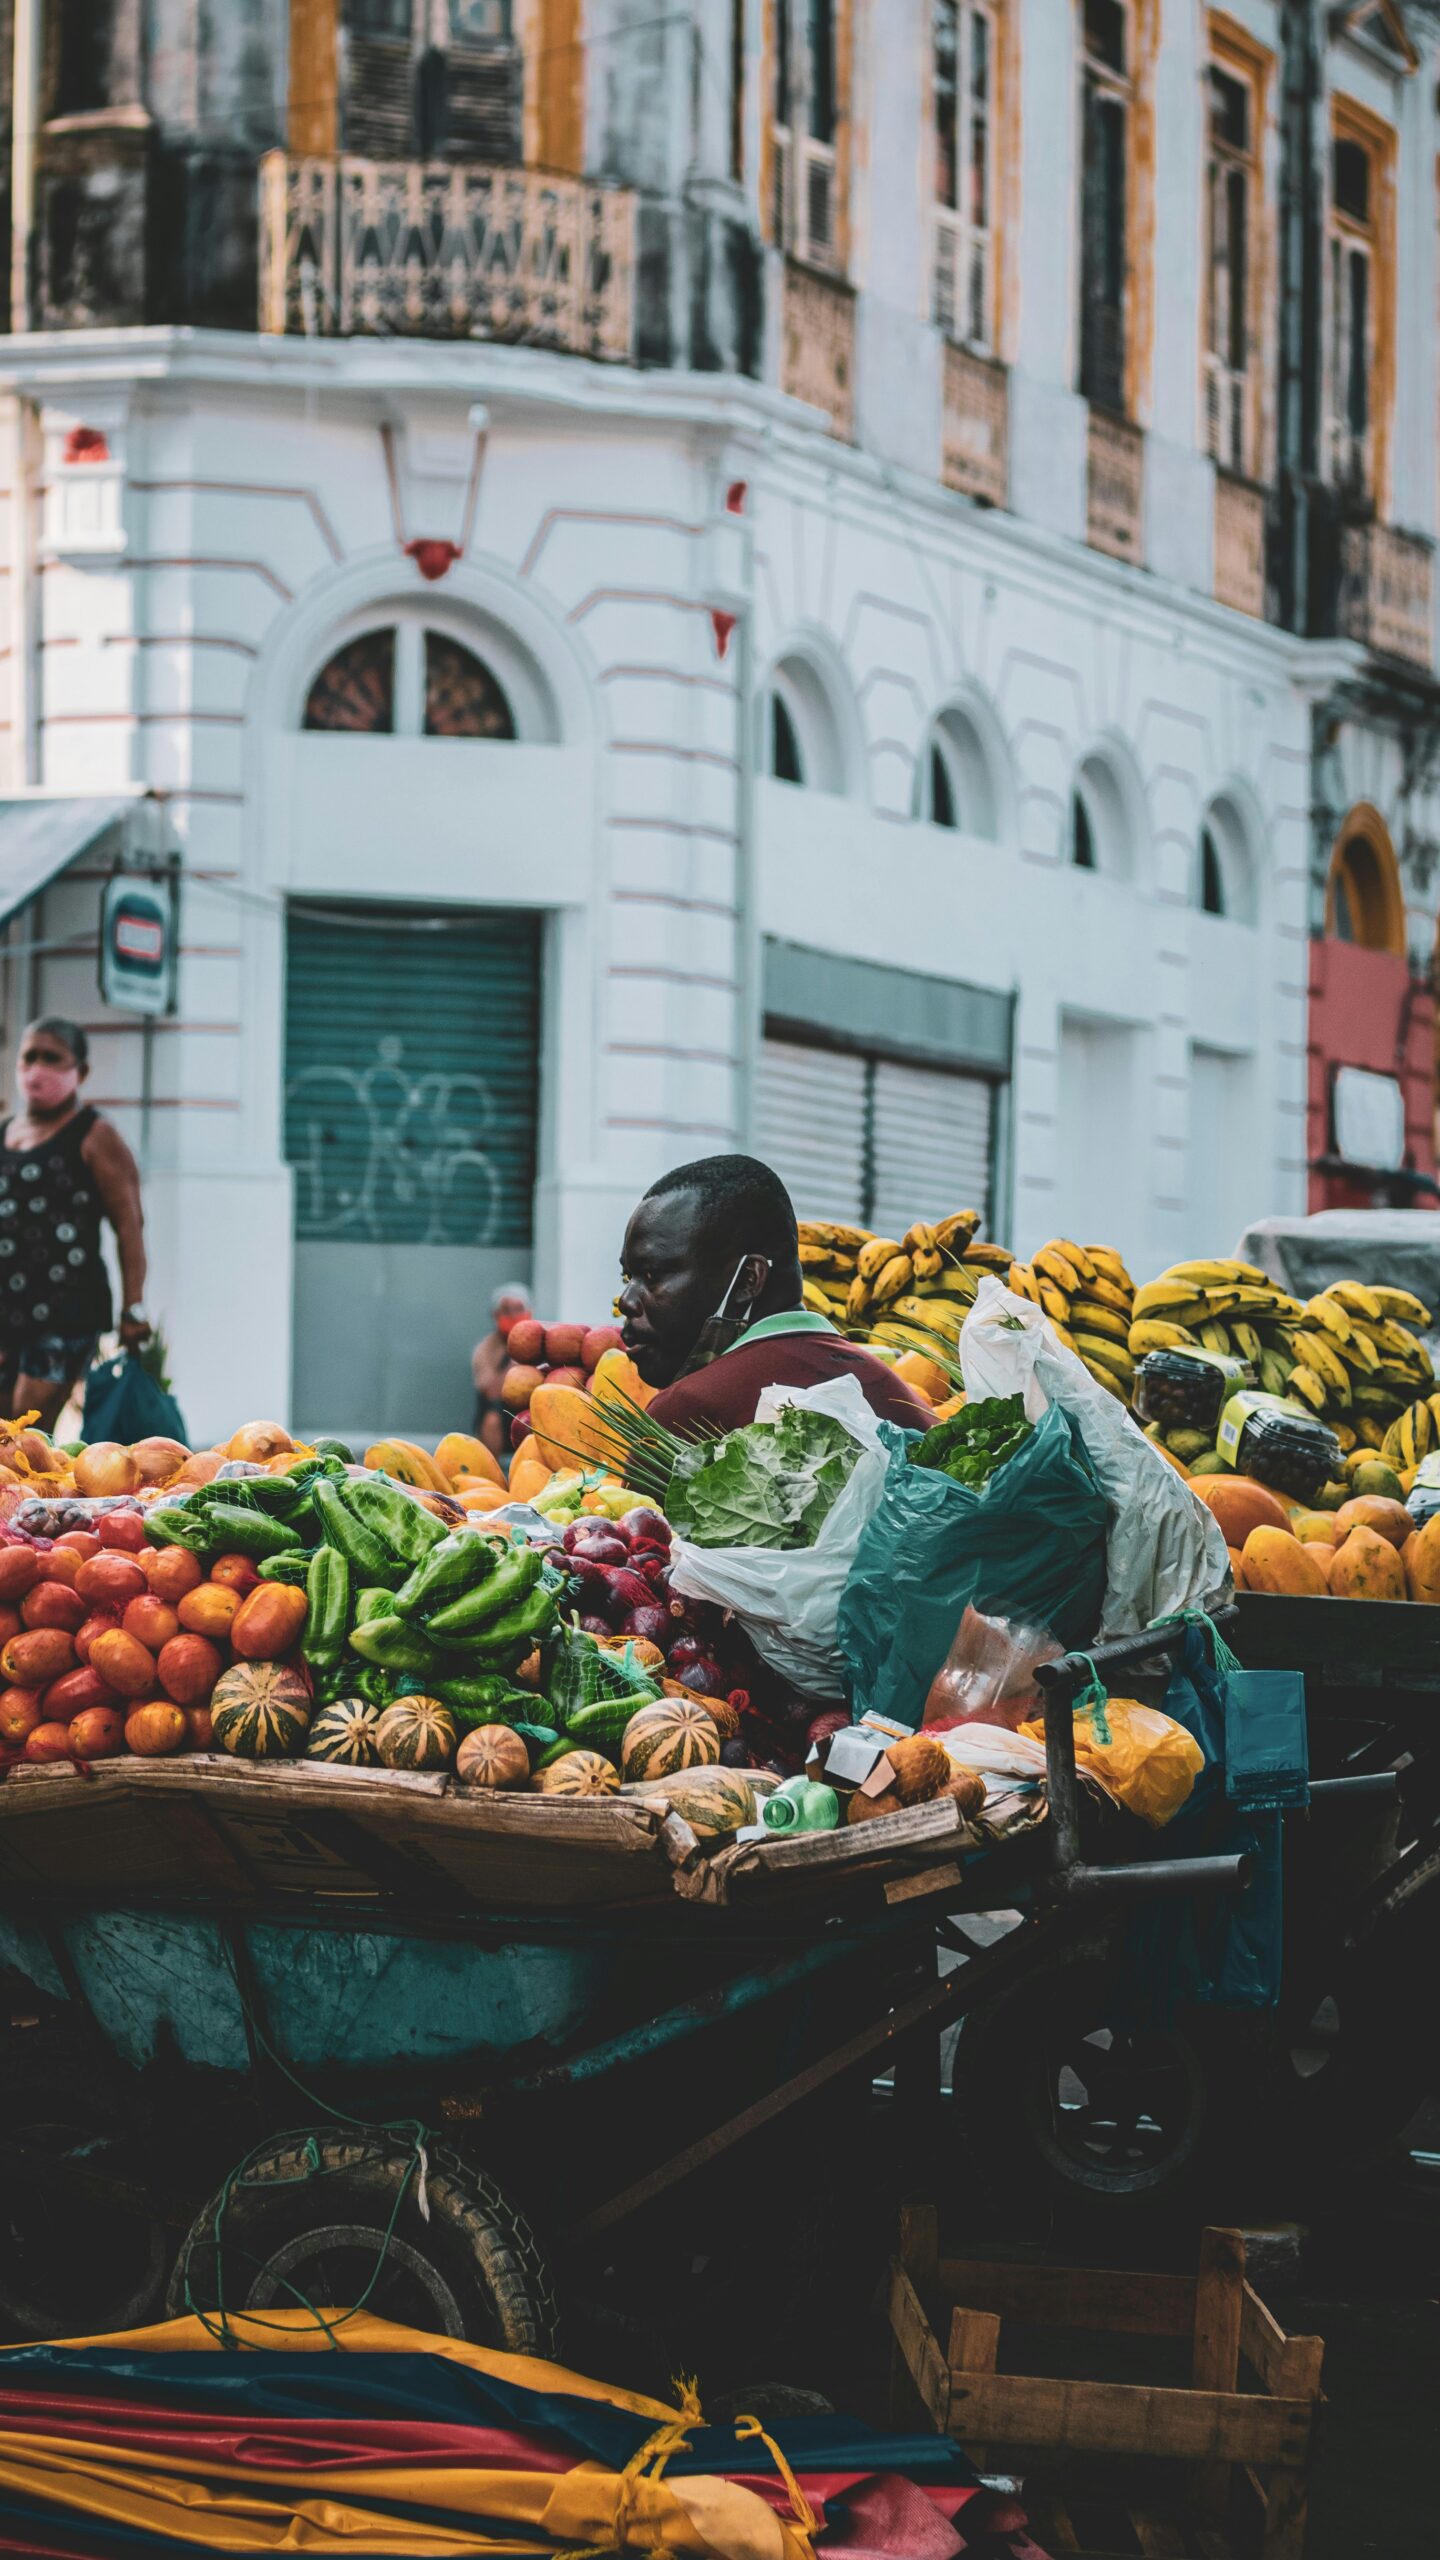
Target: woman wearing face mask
<point>63,1169</point>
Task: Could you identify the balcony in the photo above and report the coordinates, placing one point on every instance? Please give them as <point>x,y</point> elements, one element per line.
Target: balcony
<point>1385,598</point>
<point>420,249</point>
<point>1115,488</point>
<point>1239,545</point>
<point>975,427</point>
<point>817,345</point>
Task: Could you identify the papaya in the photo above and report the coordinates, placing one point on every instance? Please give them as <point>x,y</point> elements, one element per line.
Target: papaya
<point>1374,1511</point>
<point>1367,1567</point>
<point>1238,1574</point>
<point>947,1411</point>
<point>461,1454</point>
<point>923,1376</point>
<point>569,1428</point>
<point>1316,1528</point>
<point>1240,1505</point>
<point>1325,1558</point>
<point>528,1478</point>
<point>1170,1458</point>
<point>409,1464</point>
<point>1422,1562</point>
<point>1276,1562</point>
<point>486,1497</point>
<point>616,1379</point>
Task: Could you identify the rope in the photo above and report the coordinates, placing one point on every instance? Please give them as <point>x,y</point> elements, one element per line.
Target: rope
<point>1093,1700</point>
<point>648,2465</point>
<point>1224,1660</point>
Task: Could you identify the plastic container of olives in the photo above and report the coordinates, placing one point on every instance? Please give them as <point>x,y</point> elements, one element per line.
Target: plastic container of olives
<point>1279,1444</point>
<point>1186,1390</point>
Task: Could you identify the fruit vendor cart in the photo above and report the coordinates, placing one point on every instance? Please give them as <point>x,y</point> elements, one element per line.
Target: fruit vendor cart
<point>303,2032</point>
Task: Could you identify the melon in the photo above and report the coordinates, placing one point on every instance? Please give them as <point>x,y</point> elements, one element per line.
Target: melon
<point>260,1711</point>
<point>714,1802</point>
<point>345,1732</point>
<point>416,1733</point>
<point>1374,1511</point>
<point>671,1735</point>
<point>493,1755</point>
<point>1276,1562</point>
<point>580,1773</point>
<point>1367,1567</point>
<point>1240,1505</point>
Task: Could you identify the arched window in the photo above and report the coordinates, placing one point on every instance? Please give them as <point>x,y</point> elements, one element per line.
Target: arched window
<point>408,681</point>
<point>1212,877</point>
<point>1365,904</point>
<point>802,739</point>
<point>955,780</point>
<point>1105,823</point>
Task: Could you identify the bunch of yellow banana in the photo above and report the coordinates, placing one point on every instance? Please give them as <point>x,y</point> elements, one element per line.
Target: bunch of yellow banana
<point>942,1291</point>
<point>829,1257</point>
<point>1415,1434</point>
<point>1219,1305</point>
<point>1087,1293</point>
<point>1354,1358</point>
<point>884,1287</point>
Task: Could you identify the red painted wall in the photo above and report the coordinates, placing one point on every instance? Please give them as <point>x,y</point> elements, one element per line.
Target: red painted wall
<point>1367,1011</point>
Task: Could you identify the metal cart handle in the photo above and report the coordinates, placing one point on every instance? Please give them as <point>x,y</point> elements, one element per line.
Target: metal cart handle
<point>1074,1880</point>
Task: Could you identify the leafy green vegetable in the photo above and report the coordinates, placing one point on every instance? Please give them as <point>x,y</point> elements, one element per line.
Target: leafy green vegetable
<point>770,1484</point>
<point>976,1441</point>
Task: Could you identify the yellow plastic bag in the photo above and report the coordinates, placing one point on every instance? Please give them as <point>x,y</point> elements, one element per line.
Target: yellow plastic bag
<point>1142,1758</point>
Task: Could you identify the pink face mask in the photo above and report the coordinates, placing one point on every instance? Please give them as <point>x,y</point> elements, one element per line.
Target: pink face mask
<point>50,1088</point>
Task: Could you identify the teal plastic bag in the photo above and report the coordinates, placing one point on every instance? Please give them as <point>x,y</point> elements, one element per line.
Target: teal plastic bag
<point>1030,1545</point>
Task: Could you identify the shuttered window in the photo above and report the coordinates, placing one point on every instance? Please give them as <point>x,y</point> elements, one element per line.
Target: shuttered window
<point>871,1140</point>
<point>810,1124</point>
<point>411,1075</point>
<point>406,96</point>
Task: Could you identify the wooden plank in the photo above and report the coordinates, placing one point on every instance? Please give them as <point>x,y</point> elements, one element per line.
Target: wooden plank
<point>1153,2306</point>
<point>1057,2525</point>
<point>1122,2417</point>
<point>1290,2367</point>
<point>974,2348</point>
<point>927,1880</point>
<point>1215,2357</point>
<point>1159,2537</point>
<point>819,1856</point>
<point>917,2344</point>
<point>920,2244</point>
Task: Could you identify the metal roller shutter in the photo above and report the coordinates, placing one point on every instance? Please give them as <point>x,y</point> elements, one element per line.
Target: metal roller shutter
<point>932,1145</point>
<point>810,1125</point>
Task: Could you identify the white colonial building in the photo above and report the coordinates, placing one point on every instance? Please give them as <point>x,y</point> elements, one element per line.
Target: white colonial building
<point>774,575</point>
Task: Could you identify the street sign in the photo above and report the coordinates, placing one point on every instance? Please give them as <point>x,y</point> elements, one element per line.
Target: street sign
<point>137,943</point>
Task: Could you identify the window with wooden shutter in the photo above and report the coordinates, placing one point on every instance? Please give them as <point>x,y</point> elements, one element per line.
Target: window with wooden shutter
<point>431,79</point>
<point>1106,99</point>
<point>1360,347</point>
<point>964,71</point>
<point>806,117</point>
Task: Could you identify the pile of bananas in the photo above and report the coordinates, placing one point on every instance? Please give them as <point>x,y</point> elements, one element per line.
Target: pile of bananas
<point>1356,1361</point>
<point>1088,1295</point>
<point>897,1292</point>
<point>1220,1305</point>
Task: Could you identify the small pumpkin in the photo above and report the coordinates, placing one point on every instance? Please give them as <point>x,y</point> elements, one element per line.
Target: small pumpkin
<point>416,1733</point>
<point>714,1802</point>
<point>580,1773</point>
<point>662,1739</point>
<point>260,1711</point>
<point>493,1755</point>
<point>724,1717</point>
<point>345,1731</point>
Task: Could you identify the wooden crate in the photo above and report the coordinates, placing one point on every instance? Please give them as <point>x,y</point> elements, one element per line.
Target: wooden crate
<point>1230,2449</point>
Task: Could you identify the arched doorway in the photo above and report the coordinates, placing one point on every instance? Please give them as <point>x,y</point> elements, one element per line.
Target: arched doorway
<point>1364,904</point>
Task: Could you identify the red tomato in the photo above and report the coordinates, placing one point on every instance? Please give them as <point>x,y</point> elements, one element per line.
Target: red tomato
<point>110,1581</point>
<point>122,1529</point>
<point>171,1572</point>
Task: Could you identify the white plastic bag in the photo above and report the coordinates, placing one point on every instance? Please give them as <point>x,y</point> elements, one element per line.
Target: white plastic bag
<point>1164,1551</point>
<point>787,1599</point>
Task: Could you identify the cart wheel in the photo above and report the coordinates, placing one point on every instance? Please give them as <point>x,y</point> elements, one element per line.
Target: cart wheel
<point>1062,2109</point>
<point>330,2219</point>
<point>1351,2061</point>
<point>70,2264</point>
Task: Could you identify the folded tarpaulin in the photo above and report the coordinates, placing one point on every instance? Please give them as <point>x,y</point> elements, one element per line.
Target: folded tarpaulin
<point>303,2432</point>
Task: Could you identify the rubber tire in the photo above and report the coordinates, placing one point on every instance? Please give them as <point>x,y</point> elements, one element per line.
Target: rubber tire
<point>1000,2084</point>
<point>481,2250</point>
<point>47,2080</point>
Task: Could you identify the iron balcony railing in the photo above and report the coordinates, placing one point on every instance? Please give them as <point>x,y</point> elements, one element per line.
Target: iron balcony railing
<point>414,248</point>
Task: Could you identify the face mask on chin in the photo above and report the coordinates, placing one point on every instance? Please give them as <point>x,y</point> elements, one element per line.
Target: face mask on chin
<point>48,1089</point>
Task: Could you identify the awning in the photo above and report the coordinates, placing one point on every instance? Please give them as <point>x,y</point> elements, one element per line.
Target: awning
<point>40,835</point>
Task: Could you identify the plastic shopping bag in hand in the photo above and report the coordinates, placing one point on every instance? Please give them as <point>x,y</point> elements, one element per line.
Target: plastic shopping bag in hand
<point>787,1598</point>
<point>1028,1544</point>
<point>1164,1551</point>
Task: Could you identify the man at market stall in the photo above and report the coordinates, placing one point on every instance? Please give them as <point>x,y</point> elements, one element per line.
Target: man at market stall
<point>712,1302</point>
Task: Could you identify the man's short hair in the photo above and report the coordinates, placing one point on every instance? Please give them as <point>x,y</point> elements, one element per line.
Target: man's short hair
<point>742,1195</point>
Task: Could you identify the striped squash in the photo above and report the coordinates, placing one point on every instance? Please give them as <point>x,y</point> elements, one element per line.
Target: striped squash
<point>493,1755</point>
<point>260,1711</point>
<point>345,1731</point>
<point>416,1733</point>
<point>671,1735</point>
<point>580,1773</point>
<point>714,1802</point>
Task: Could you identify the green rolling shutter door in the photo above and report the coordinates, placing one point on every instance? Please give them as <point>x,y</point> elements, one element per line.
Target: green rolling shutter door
<point>412,1065</point>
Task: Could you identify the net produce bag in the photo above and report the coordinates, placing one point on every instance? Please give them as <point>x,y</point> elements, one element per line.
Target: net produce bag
<point>1030,1544</point>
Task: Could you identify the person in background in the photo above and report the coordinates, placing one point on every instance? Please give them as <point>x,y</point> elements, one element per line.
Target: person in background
<point>489,1363</point>
<point>720,1234</point>
<point>63,1170</point>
